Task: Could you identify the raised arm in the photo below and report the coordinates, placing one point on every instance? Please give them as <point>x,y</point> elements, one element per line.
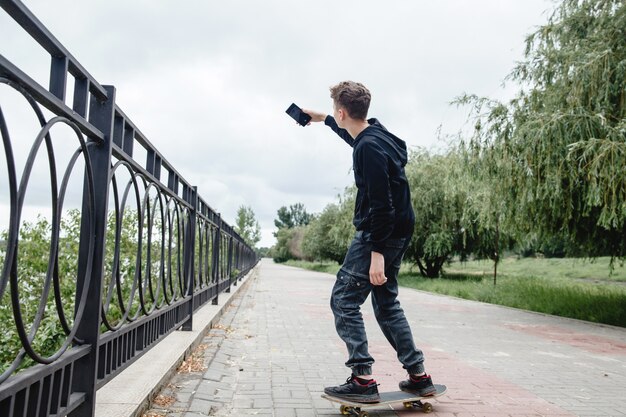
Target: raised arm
<point>330,122</point>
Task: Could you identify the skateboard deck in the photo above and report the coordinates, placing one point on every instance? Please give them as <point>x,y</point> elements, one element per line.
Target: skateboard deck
<point>387,398</point>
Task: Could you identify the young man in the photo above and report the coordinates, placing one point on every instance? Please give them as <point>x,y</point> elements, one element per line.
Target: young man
<point>384,221</point>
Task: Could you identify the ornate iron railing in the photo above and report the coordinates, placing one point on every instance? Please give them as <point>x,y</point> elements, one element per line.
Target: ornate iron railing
<point>147,252</point>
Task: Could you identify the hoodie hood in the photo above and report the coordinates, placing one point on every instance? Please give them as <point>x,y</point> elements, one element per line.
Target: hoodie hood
<point>398,145</point>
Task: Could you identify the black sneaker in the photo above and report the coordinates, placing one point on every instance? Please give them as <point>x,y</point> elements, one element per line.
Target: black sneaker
<point>355,391</point>
<point>421,386</point>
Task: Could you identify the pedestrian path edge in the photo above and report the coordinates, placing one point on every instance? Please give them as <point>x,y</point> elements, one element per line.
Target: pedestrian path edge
<point>129,394</point>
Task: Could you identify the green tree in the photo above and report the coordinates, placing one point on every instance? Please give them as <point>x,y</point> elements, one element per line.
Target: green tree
<point>484,211</point>
<point>294,216</point>
<point>291,223</point>
<point>558,149</point>
<point>328,235</point>
<point>438,203</point>
<point>34,246</point>
<point>281,252</point>
<point>247,226</point>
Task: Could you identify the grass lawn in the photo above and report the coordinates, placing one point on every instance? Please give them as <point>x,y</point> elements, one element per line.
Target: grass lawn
<point>574,288</point>
<point>328,267</point>
<point>572,268</point>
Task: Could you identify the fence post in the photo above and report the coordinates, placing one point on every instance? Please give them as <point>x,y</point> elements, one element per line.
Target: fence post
<point>235,246</point>
<point>229,268</point>
<point>190,252</point>
<point>217,242</point>
<point>85,371</point>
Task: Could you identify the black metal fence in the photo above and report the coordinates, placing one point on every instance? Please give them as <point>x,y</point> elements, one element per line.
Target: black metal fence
<point>148,250</point>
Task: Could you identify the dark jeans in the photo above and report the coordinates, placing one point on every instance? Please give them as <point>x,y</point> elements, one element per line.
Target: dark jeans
<point>350,292</point>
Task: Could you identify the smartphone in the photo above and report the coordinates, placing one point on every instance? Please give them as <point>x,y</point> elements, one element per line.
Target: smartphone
<point>298,115</point>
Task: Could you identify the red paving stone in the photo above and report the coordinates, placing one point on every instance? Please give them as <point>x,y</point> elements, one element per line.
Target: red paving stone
<point>470,390</point>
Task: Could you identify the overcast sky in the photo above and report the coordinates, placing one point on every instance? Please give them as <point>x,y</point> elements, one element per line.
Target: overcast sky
<point>208,82</point>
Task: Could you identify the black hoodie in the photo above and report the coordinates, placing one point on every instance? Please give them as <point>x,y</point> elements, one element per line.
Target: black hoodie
<point>383,201</point>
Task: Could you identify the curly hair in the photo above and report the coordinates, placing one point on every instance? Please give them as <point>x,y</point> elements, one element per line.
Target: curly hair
<point>353,97</point>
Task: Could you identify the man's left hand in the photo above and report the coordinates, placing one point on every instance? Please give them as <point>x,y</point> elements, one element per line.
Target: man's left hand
<point>377,269</point>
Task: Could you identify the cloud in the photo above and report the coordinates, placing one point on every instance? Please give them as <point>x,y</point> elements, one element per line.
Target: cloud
<point>208,82</point>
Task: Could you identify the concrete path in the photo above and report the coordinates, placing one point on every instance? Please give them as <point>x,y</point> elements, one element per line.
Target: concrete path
<point>276,348</point>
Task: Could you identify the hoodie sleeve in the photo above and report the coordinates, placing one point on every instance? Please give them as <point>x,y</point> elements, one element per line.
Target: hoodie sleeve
<point>376,177</point>
<point>343,133</point>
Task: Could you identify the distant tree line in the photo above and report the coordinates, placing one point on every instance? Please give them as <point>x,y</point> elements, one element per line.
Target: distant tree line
<point>542,173</point>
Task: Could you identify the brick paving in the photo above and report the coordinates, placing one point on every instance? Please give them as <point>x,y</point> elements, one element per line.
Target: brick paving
<point>276,348</point>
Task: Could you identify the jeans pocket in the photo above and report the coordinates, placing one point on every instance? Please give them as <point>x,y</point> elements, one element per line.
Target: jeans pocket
<point>349,292</point>
<point>357,260</point>
<point>393,252</point>
<point>350,282</point>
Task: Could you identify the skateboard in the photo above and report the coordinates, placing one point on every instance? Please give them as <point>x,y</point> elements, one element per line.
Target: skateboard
<point>351,408</point>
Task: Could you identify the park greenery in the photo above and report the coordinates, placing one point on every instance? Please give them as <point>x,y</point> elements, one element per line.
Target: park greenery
<point>291,223</point>
<point>142,272</point>
<point>53,300</point>
<point>34,248</point>
<point>247,226</point>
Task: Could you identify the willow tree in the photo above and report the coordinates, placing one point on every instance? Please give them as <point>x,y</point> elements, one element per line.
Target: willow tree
<point>484,211</point>
<point>438,199</point>
<point>558,149</point>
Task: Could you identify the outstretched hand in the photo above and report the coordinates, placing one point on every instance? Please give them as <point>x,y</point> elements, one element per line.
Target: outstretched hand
<point>315,116</point>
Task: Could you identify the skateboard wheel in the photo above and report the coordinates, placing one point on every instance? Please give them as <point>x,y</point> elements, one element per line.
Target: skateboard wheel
<point>427,407</point>
<point>363,414</point>
<point>407,405</point>
<point>345,410</point>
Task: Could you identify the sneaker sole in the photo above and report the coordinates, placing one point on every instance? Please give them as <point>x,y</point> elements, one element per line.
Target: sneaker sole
<point>419,394</point>
<point>355,399</point>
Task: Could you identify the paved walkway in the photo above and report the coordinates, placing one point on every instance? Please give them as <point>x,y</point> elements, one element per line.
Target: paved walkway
<point>276,348</point>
